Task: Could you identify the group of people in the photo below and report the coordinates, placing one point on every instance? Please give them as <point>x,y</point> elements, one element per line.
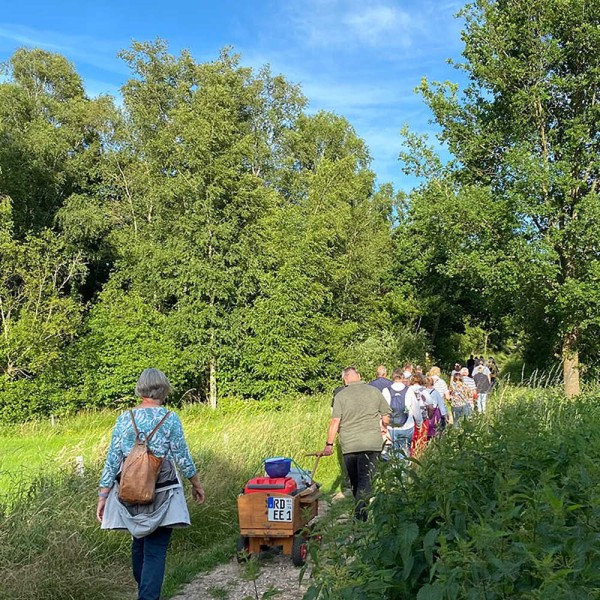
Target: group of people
<point>384,417</point>
<point>471,386</point>
<point>399,416</point>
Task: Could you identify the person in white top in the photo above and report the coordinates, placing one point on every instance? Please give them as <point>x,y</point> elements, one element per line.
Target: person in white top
<point>480,363</point>
<point>456,369</point>
<point>442,389</point>
<point>405,412</point>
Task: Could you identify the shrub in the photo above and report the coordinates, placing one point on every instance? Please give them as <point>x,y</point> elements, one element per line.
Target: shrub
<point>506,507</point>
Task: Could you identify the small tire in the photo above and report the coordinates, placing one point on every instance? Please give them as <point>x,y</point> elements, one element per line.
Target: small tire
<point>241,549</point>
<point>299,550</point>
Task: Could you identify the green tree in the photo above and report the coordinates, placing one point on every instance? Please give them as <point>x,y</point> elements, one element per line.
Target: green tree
<point>38,311</point>
<point>52,137</point>
<point>325,255</point>
<point>190,186</point>
<point>526,132</point>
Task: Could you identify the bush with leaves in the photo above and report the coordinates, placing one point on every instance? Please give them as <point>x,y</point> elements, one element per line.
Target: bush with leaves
<point>505,507</point>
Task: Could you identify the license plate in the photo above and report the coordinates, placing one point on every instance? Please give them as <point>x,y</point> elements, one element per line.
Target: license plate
<point>280,509</point>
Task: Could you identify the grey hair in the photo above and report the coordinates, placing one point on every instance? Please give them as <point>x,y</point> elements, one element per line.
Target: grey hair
<point>153,384</point>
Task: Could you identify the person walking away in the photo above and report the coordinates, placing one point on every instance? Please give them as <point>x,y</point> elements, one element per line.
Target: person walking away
<point>404,414</point>
<point>480,363</point>
<point>470,364</point>
<point>415,389</point>
<point>494,372</point>
<point>433,401</point>
<point>483,383</point>
<point>470,383</point>
<point>360,417</point>
<point>381,382</point>
<point>150,525</point>
<point>442,388</point>
<point>456,369</point>
<point>460,399</point>
<point>343,482</point>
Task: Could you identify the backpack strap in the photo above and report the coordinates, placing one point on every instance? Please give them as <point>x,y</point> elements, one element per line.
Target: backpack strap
<point>137,433</point>
<point>158,426</point>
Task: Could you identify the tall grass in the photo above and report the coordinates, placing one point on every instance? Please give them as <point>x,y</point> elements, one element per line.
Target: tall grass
<point>50,544</point>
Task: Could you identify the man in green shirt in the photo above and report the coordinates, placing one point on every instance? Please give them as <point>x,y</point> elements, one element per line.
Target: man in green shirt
<point>360,415</point>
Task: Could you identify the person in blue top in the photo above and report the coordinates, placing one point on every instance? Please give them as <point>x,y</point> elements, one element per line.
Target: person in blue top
<point>381,381</point>
<point>150,525</point>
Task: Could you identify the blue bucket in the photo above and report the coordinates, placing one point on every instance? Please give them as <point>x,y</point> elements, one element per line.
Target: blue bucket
<point>278,466</point>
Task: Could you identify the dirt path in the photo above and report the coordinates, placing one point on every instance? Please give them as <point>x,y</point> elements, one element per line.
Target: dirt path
<point>229,581</point>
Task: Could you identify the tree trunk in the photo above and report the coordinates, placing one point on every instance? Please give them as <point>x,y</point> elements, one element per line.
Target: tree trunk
<point>212,383</point>
<point>570,357</point>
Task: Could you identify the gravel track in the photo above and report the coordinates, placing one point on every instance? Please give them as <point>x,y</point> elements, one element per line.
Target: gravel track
<point>228,581</point>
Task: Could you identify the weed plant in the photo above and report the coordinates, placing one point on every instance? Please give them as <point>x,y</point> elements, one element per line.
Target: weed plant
<point>51,547</point>
<point>508,506</point>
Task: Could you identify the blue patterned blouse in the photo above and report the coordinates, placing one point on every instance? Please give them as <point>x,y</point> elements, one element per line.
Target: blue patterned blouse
<point>168,440</point>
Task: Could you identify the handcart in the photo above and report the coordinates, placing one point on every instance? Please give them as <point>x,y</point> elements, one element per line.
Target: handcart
<point>277,511</point>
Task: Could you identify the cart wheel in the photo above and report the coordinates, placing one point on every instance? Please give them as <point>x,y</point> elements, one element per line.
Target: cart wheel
<point>241,550</point>
<point>299,550</point>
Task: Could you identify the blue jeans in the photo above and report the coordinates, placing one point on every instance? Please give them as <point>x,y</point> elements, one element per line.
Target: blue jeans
<point>461,412</point>
<point>148,559</point>
<point>401,440</point>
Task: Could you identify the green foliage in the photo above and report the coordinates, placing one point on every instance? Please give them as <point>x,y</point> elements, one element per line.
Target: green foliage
<point>524,134</point>
<point>504,507</point>
<point>387,348</point>
<point>52,136</point>
<point>125,336</point>
<point>209,227</point>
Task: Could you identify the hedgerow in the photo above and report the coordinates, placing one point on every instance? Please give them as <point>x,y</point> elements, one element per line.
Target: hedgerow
<point>506,507</point>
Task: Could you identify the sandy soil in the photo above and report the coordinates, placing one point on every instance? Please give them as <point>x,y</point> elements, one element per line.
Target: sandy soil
<point>228,581</point>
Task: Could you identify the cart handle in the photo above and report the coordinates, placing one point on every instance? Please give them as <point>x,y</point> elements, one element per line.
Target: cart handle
<point>317,456</point>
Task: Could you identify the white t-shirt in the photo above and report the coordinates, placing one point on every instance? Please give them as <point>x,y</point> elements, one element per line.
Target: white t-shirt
<point>411,402</point>
<point>485,370</point>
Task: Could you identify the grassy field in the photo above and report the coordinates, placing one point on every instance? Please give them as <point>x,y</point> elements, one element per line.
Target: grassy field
<point>240,432</point>
<point>50,544</point>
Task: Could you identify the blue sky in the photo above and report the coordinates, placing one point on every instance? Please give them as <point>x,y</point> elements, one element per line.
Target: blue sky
<point>359,59</point>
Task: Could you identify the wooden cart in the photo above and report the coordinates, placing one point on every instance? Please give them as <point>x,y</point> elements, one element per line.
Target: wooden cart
<point>269,519</point>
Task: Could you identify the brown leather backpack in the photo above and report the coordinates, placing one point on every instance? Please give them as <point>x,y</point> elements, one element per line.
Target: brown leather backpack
<point>140,468</point>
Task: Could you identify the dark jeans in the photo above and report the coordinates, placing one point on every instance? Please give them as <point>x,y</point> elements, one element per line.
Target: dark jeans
<point>148,559</point>
<point>360,467</point>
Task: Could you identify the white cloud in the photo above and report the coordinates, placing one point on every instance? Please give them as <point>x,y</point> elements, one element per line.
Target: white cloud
<point>99,53</point>
<point>375,25</point>
<point>350,24</point>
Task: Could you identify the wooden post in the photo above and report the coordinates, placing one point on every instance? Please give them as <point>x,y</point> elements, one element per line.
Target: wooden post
<point>213,383</point>
<point>570,357</point>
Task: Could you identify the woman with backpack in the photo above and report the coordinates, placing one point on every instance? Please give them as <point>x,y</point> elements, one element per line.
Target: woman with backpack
<point>144,496</point>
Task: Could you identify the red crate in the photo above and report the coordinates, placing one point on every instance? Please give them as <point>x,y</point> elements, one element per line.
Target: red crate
<point>278,485</point>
